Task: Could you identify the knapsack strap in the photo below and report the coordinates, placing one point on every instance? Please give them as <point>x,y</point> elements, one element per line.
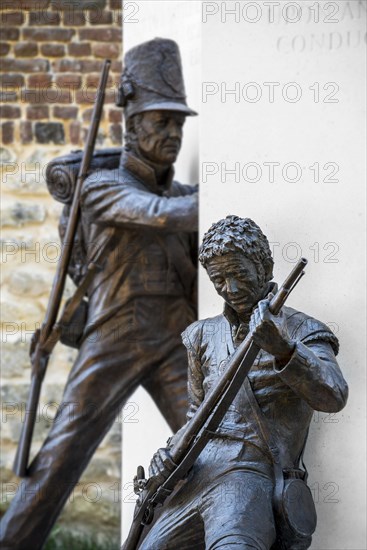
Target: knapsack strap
<point>266,434</point>
<point>266,431</point>
<point>262,425</point>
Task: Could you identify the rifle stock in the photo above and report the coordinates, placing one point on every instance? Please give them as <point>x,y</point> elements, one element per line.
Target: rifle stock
<point>196,433</point>
<point>46,337</point>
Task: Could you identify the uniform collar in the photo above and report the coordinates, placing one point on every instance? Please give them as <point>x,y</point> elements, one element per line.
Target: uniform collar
<point>239,329</point>
<point>146,173</point>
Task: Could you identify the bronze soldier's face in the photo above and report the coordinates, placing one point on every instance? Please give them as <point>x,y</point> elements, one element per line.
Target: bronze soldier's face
<point>160,135</point>
<point>236,280</point>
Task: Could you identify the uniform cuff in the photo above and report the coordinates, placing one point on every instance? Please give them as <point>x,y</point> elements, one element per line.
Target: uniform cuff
<point>300,362</point>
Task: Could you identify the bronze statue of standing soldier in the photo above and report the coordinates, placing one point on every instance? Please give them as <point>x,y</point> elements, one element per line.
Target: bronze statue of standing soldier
<point>138,304</point>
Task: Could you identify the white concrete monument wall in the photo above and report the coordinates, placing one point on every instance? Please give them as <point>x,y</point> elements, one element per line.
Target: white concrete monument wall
<point>282,140</point>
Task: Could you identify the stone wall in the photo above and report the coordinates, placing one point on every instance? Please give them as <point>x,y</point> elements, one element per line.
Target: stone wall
<point>52,52</point>
<point>52,58</point>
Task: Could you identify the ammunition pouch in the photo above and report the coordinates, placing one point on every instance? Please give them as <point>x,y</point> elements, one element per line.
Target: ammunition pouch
<point>294,510</point>
<point>72,332</point>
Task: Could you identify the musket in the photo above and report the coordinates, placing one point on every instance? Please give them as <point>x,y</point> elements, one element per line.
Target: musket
<point>192,439</point>
<point>44,340</point>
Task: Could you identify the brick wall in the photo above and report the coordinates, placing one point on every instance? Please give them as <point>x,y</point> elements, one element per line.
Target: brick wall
<point>52,53</point>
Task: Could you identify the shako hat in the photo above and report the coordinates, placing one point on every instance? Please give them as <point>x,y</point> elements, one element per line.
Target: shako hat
<point>152,79</point>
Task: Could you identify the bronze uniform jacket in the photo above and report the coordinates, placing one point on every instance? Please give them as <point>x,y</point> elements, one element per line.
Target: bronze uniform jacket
<point>147,220</point>
<point>310,381</point>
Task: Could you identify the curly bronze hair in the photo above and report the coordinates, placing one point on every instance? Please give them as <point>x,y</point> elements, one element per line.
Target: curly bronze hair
<point>234,234</point>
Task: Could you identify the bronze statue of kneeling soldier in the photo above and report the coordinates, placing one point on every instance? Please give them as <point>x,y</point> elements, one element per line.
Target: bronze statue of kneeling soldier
<point>246,488</point>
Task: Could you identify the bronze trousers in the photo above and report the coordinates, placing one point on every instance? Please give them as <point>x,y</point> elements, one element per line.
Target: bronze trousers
<point>225,504</point>
<point>133,348</point>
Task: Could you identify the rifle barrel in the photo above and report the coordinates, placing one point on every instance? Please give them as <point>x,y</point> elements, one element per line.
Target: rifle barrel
<point>25,441</point>
<point>61,270</point>
<point>40,357</point>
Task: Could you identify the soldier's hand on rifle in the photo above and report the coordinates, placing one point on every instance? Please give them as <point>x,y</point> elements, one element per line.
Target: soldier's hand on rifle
<point>161,464</point>
<point>270,333</point>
